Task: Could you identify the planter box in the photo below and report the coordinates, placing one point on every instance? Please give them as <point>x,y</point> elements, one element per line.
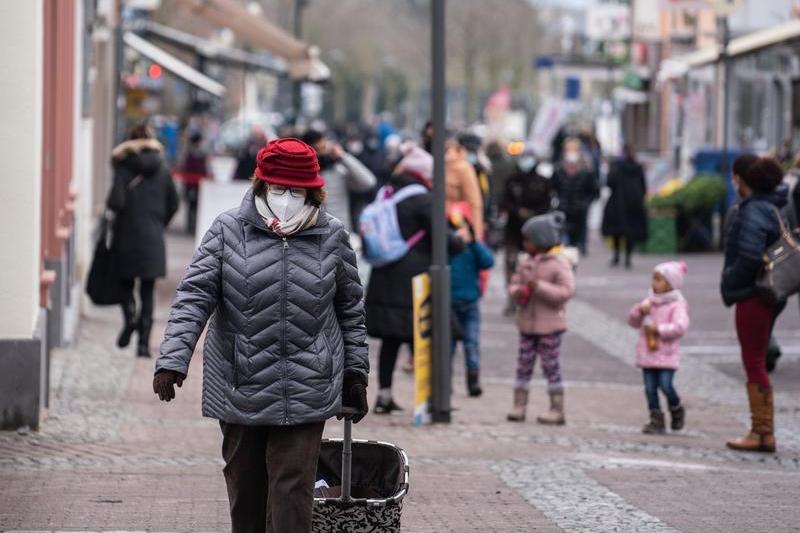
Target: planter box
<point>662,236</point>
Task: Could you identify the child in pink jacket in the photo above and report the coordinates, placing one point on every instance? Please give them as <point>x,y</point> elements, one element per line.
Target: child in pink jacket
<point>541,287</point>
<point>662,318</point>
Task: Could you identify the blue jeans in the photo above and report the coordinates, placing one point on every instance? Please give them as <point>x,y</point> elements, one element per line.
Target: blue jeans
<point>468,316</point>
<point>659,378</point>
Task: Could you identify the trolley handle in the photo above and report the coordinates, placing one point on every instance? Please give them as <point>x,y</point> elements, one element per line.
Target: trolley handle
<point>347,453</point>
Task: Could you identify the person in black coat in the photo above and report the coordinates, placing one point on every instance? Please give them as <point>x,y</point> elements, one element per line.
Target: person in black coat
<point>388,303</point>
<point>143,199</point>
<point>756,227</point>
<point>527,194</point>
<point>577,189</point>
<point>625,215</point>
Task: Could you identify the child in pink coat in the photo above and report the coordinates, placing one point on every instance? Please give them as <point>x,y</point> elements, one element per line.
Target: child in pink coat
<point>662,318</point>
<point>541,287</point>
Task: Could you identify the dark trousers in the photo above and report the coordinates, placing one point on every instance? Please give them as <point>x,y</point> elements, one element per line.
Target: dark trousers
<point>618,248</point>
<point>146,293</point>
<point>270,471</point>
<point>386,360</point>
<point>659,378</point>
<point>577,230</point>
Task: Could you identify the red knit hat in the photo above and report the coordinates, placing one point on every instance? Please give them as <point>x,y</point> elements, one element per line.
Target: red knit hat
<point>289,162</point>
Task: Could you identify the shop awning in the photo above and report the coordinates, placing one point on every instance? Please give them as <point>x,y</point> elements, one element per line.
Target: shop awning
<point>746,44</point>
<point>303,59</point>
<point>173,64</point>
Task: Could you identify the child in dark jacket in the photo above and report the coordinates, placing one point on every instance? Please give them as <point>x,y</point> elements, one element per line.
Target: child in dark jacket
<point>465,273</point>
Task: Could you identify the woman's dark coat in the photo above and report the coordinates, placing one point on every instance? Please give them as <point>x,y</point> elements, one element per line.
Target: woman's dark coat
<point>625,213</point>
<point>389,303</point>
<point>754,228</point>
<point>144,200</point>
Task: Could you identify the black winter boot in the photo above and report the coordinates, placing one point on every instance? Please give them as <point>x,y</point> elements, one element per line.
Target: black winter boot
<point>473,383</point>
<point>129,325</point>
<point>678,417</point>
<point>143,349</point>
<point>656,425</point>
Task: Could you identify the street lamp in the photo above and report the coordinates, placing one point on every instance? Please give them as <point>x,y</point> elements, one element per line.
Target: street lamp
<point>440,271</point>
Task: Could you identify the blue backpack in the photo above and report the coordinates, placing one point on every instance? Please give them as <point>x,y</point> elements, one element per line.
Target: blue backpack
<point>380,231</point>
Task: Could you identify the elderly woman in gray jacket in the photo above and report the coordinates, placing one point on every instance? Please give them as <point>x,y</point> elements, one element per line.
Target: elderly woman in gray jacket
<point>286,345</point>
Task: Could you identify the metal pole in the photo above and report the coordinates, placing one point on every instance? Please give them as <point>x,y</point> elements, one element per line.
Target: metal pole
<point>347,460</point>
<point>726,101</point>
<point>440,271</point>
<point>297,97</point>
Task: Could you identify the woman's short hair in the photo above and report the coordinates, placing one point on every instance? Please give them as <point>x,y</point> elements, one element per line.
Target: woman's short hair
<point>764,175</point>
<point>315,197</point>
<point>742,163</point>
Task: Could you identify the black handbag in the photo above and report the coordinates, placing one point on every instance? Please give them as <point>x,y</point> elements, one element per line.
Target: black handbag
<point>103,285</point>
<point>780,276</point>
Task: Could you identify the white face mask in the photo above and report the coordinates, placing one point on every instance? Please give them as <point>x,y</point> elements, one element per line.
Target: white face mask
<point>526,163</point>
<point>572,157</point>
<point>285,203</point>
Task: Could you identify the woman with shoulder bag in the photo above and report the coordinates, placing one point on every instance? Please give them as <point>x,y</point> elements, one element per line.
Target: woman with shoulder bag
<point>755,228</point>
<point>143,200</point>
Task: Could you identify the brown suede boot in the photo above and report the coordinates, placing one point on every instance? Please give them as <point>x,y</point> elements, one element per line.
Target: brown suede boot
<point>762,432</point>
<point>555,416</point>
<point>517,414</point>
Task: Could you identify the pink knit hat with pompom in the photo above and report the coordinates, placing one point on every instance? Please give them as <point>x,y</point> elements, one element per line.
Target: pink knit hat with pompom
<point>673,272</point>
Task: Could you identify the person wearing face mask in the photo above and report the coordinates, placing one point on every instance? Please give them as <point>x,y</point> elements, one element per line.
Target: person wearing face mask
<point>527,194</point>
<point>462,184</point>
<point>344,174</point>
<point>472,143</point>
<point>577,189</point>
<point>755,227</point>
<point>286,344</point>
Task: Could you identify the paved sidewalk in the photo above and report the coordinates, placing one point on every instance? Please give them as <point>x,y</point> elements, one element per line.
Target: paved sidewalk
<point>110,457</point>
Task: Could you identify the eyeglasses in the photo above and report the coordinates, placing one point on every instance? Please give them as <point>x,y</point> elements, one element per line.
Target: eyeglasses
<point>280,190</point>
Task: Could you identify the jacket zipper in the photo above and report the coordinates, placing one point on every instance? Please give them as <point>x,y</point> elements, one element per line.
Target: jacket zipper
<point>235,366</point>
<point>284,297</point>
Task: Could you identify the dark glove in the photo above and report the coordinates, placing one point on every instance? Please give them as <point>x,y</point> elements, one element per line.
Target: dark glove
<point>164,384</point>
<point>354,396</point>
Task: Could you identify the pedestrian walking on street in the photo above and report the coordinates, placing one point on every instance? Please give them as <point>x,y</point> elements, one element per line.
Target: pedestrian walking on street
<point>343,173</point>
<point>389,299</point>
<point>625,215</point>
<point>465,275</point>
<point>739,168</point>
<point>193,169</point>
<point>577,189</point>
<point>246,158</point>
<point>462,185</point>
<point>754,229</point>
<point>527,194</point>
<point>286,344</point>
<point>143,200</point>
<point>542,285</point>
<point>662,318</point>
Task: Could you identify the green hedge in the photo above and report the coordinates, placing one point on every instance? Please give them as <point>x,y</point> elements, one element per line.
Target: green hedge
<point>702,194</point>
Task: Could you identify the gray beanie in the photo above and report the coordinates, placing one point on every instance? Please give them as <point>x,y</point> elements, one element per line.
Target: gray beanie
<point>544,230</point>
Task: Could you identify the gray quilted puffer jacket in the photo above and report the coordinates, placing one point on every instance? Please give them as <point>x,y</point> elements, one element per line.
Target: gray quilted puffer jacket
<point>287,320</point>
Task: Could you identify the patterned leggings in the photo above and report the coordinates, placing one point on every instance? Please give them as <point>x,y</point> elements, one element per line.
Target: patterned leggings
<point>549,348</point>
